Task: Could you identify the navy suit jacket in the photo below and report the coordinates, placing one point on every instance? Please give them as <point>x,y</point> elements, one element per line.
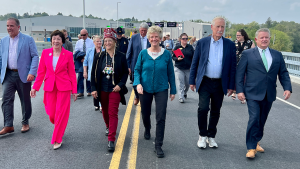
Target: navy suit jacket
<point>133,51</point>
<point>200,61</point>
<point>258,80</point>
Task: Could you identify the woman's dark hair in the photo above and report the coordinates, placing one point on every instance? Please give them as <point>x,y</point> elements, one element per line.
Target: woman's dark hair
<point>183,34</point>
<point>60,33</point>
<point>243,33</point>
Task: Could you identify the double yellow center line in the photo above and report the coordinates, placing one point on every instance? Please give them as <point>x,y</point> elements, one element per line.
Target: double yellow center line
<point>115,161</point>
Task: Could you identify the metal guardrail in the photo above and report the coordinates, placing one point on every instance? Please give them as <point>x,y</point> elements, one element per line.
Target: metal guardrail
<point>45,45</point>
<point>292,62</point>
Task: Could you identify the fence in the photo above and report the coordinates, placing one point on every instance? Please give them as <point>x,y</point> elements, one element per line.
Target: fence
<point>292,62</point>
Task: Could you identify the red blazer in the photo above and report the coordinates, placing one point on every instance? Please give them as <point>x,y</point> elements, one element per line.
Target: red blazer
<point>64,75</point>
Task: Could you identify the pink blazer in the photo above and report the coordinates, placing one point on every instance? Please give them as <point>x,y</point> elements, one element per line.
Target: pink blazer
<point>64,75</point>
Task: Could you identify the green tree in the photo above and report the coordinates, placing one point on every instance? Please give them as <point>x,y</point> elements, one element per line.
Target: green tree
<point>282,41</point>
<point>59,13</point>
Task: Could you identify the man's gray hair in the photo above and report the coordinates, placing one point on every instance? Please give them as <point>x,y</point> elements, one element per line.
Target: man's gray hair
<point>262,30</point>
<point>144,25</point>
<point>16,20</point>
<point>217,18</point>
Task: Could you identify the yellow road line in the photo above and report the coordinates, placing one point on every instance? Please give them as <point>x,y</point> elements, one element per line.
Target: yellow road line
<point>115,161</point>
<point>135,139</point>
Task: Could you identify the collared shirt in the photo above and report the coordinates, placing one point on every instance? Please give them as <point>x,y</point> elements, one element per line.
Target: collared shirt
<point>13,50</point>
<point>214,65</point>
<point>88,43</point>
<point>144,42</point>
<point>170,42</point>
<point>268,56</point>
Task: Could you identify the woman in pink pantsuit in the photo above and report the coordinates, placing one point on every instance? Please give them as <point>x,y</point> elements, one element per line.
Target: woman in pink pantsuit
<point>57,70</point>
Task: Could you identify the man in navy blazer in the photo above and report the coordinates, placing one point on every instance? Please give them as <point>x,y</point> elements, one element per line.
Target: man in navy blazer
<point>213,75</point>
<point>137,43</point>
<point>19,61</point>
<point>261,65</point>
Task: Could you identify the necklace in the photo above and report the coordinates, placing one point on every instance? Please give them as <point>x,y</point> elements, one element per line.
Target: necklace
<point>108,70</point>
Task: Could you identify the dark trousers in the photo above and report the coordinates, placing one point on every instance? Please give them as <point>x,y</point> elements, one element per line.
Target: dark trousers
<point>11,84</point>
<point>209,90</point>
<point>80,85</point>
<point>161,100</point>
<point>96,102</point>
<point>258,114</point>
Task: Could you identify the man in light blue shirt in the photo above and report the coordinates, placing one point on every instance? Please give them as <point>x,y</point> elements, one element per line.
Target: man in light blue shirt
<point>168,43</point>
<point>214,64</point>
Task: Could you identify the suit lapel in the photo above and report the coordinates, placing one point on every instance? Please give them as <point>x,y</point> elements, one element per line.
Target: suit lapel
<point>60,59</point>
<point>21,40</point>
<point>140,42</point>
<point>257,55</point>
<point>273,58</point>
<point>225,47</point>
<point>208,49</point>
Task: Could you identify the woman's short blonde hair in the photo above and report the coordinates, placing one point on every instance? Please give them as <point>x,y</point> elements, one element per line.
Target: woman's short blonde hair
<point>96,37</point>
<point>155,29</point>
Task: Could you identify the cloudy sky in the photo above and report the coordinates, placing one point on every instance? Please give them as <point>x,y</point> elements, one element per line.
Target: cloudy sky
<point>237,11</point>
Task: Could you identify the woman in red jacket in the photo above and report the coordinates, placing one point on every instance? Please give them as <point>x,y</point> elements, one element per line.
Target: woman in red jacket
<point>57,70</point>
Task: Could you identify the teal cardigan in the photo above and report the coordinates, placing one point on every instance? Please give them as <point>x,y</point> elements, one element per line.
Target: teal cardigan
<point>155,75</point>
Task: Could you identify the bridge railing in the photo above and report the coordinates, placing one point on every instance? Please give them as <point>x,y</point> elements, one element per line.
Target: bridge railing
<point>292,62</point>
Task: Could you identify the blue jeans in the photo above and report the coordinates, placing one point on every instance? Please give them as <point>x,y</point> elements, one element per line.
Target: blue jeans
<point>80,85</point>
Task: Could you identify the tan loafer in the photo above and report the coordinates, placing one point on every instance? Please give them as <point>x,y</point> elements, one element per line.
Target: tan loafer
<point>251,153</point>
<point>7,130</point>
<point>259,148</point>
<point>57,146</point>
<point>25,128</point>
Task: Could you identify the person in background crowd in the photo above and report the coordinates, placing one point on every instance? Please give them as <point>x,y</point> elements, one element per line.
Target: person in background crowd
<point>122,42</point>
<point>154,83</point>
<point>67,45</point>
<point>134,32</point>
<point>79,36</point>
<point>19,61</point>
<point>137,43</point>
<point>108,80</point>
<point>57,71</point>
<point>182,67</point>
<point>83,45</point>
<point>88,63</point>
<point>262,65</point>
<point>66,35</point>
<point>213,76</point>
<point>242,42</point>
<point>162,42</point>
<point>178,42</point>
<point>169,44</point>
<point>193,42</point>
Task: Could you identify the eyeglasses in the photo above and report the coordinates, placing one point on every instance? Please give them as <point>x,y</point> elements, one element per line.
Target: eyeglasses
<point>238,35</point>
<point>83,35</point>
<point>184,38</point>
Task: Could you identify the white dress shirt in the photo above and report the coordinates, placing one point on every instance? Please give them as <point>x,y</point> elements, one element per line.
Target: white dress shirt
<point>88,43</point>
<point>268,56</point>
<point>144,42</point>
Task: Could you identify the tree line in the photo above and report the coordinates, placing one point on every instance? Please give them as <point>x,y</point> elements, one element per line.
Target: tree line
<point>285,35</point>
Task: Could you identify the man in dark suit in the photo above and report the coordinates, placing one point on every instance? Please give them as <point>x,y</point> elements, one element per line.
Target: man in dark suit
<point>137,43</point>
<point>261,65</point>
<point>213,75</point>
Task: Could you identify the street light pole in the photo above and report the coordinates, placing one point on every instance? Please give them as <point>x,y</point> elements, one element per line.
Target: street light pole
<point>118,14</point>
<point>83,20</point>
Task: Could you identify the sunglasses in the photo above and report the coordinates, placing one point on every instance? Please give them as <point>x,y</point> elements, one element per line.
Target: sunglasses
<point>83,35</point>
<point>184,38</point>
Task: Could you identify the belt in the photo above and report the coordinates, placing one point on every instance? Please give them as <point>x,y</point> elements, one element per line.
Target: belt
<point>14,70</point>
<point>211,78</point>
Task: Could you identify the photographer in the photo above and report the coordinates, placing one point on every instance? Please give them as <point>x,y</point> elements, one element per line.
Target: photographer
<point>182,66</point>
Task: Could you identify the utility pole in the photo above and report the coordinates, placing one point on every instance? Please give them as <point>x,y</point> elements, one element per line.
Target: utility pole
<point>118,14</point>
<point>83,20</point>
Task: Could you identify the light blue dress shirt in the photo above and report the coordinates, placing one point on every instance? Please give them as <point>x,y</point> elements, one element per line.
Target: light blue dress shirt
<point>144,42</point>
<point>268,56</point>
<point>214,65</point>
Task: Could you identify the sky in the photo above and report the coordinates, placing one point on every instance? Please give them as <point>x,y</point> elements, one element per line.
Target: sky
<point>236,11</point>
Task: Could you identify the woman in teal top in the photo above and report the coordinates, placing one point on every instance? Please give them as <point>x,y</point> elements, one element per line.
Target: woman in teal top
<point>153,74</point>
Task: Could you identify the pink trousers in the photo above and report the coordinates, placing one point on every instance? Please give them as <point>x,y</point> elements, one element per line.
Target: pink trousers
<point>57,106</point>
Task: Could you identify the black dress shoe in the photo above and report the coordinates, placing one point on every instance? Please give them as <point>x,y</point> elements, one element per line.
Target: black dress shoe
<point>111,146</point>
<point>159,152</point>
<point>97,108</point>
<point>185,96</point>
<point>147,134</point>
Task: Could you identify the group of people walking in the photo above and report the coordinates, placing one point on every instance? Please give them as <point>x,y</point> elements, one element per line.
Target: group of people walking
<point>213,67</point>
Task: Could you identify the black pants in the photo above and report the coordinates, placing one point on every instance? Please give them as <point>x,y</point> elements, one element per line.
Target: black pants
<point>161,100</point>
<point>96,102</point>
<point>11,84</point>
<point>258,114</point>
<point>209,90</point>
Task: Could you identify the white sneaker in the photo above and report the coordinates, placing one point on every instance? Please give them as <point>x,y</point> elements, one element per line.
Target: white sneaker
<point>201,142</point>
<point>211,142</point>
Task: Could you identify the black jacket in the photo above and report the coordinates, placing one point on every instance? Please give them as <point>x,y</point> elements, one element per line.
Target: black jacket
<point>120,75</point>
<point>188,53</point>
<point>122,45</point>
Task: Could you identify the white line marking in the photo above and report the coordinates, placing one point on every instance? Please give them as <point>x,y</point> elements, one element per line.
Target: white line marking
<point>288,103</point>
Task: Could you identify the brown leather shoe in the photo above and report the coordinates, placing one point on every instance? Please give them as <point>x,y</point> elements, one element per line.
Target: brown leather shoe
<point>136,101</point>
<point>259,148</point>
<point>80,95</point>
<point>251,153</point>
<point>89,94</point>
<point>25,128</point>
<point>7,130</point>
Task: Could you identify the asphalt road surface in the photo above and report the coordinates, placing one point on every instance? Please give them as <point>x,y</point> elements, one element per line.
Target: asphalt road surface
<point>85,143</point>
